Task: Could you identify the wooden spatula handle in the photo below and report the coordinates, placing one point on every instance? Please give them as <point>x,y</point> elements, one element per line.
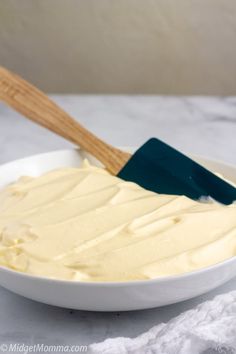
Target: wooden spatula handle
<point>35,105</point>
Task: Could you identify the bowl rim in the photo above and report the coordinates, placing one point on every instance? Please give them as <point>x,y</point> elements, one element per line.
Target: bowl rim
<point>128,148</point>
<point>158,280</point>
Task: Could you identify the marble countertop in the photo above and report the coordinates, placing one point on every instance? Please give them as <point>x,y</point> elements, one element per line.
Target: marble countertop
<point>203,126</point>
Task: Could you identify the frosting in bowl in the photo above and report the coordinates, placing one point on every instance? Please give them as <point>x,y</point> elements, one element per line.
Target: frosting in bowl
<point>84,224</point>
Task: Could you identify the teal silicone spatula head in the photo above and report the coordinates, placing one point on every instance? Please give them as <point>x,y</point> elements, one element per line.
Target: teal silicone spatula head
<point>158,167</point>
<point>155,166</point>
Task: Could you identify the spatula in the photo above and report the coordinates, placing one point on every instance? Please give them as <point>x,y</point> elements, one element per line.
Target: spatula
<point>155,166</point>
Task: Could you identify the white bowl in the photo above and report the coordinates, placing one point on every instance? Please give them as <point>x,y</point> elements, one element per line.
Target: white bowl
<point>108,296</point>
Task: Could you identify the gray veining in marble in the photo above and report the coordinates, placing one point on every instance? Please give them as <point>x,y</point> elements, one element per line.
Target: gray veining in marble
<point>200,125</point>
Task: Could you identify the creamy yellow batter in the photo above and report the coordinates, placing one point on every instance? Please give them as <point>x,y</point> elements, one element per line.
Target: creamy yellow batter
<point>84,224</point>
